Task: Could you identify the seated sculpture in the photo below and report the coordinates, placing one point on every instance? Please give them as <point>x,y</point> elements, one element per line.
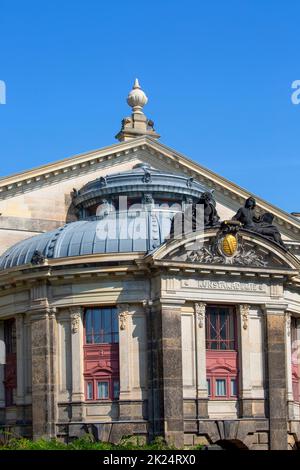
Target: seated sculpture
<point>211,216</point>
<point>266,228</point>
<point>189,220</point>
<point>245,214</point>
<point>262,225</point>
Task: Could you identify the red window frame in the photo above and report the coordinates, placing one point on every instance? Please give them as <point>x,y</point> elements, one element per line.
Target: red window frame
<point>213,386</point>
<point>229,342</point>
<point>94,382</point>
<point>101,358</point>
<point>221,360</point>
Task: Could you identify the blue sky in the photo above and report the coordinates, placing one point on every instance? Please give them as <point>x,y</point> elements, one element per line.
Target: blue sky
<point>218,76</point>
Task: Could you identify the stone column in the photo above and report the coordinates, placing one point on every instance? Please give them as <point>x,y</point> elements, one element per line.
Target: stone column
<point>202,393</point>
<point>76,317</point>
<point>245,394</point>
<point>124,360</point>
<point>2,364</point>
<point>21,391</point>
<point>167,384</point>
<point>124,347</point>
<point>276,380</point>
<point>43,352</point>
<point>27,361</point>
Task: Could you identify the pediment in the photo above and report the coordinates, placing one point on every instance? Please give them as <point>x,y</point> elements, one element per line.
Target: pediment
<point>53,185</point>
<point>251,251</point>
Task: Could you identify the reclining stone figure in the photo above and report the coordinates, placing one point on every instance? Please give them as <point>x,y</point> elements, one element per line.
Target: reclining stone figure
<point>262,225</point>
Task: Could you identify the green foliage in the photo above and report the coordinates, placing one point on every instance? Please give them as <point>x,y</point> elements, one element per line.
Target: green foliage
<point>198,447</point>
<point>87,442</point>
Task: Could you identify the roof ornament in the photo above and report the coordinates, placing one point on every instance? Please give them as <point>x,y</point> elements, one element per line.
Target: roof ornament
<point>137,124</point>
<point>137,99</point>
<point>37,258</point>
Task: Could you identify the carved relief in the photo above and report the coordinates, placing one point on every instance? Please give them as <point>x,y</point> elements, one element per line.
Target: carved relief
<point>244,311</point>
<point>123,314</point>
<point>200,313</point>
<point>246,254</point>
<point>242,257</point>
<point>75,318</point>
<point>227,247</point>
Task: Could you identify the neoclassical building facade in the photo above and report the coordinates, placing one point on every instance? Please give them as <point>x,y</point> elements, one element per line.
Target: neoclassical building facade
<point>113,323</point>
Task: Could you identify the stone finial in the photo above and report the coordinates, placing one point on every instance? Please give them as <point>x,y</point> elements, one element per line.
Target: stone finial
<point>137,124</point>
<point>137,99</point>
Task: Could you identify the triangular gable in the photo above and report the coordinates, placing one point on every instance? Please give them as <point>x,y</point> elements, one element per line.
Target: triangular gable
<point>227,193</point>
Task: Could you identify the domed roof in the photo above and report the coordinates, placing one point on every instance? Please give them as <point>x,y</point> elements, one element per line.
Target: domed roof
<point>139,227</point>
<point>139,231</point>
<point>136,182</point>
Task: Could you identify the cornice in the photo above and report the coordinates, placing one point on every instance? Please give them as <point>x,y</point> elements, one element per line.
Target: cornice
<point>222,270</point>
<point>89,268</point>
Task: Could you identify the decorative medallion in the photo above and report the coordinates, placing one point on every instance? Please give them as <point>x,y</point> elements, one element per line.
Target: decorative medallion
<point>228,248</point>
<point>227,239</point>
<point>229,245</point>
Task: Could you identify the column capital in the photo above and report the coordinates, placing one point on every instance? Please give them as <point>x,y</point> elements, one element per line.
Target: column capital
<point>38,314</point>
<point>73,309</point>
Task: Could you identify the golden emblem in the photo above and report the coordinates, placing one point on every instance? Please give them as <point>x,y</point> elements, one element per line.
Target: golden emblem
<point>229,245</point>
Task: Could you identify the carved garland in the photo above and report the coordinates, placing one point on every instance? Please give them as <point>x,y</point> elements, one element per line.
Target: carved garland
<point>75,318</point>
<point>200,313</point>
<point>123,314</point>
<point>244,311</point>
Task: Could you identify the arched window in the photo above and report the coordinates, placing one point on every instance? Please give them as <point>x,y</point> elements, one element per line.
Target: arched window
<point>221,353</point>
<point>101,354</point>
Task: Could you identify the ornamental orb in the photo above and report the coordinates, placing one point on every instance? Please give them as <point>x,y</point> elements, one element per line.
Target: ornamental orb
<point>137,98</point>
